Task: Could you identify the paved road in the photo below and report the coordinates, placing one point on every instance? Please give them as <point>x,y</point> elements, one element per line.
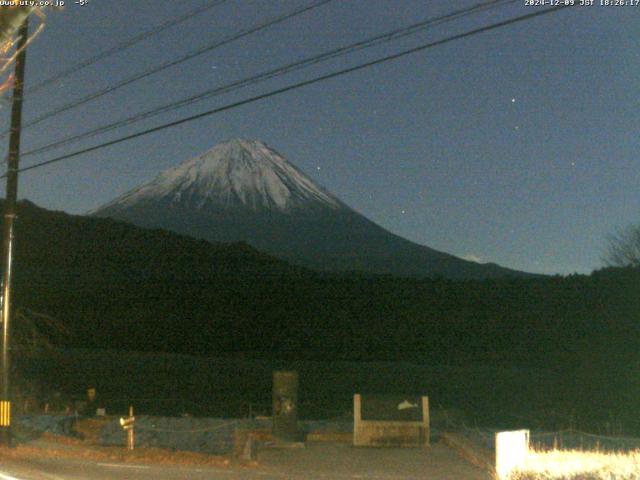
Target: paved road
<point>316,461</point>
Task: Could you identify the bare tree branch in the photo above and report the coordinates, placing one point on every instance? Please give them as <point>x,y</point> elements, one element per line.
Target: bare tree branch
<point>37,330</point>
<point>624,248</point>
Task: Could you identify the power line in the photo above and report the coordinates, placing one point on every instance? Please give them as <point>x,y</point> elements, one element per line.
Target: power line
<point>121,46</point>
<point>171,63</point>
<point>297,86</point>
<point>249,81</point>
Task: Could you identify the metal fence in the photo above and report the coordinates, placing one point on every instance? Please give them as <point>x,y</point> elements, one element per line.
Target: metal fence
<point>208,435</point>
<point>569,439</point>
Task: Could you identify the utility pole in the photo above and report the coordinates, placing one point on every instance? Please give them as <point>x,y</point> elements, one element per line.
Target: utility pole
<point>7,232</point>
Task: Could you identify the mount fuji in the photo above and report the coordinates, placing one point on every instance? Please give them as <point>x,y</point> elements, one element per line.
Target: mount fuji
<point>242,190</point>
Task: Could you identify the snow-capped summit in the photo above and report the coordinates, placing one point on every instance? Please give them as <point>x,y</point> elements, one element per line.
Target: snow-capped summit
<point>242,190</point>
<point>236,173</point>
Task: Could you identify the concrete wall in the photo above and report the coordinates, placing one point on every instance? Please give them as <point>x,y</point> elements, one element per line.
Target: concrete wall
<point>377,433</point>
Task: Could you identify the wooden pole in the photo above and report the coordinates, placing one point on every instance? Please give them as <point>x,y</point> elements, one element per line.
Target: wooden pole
<point>130,432</point>
<point>9,217</point>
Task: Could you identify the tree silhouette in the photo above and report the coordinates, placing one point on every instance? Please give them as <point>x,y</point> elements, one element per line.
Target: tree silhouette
<point>624,248</point>
<point>34,330</point>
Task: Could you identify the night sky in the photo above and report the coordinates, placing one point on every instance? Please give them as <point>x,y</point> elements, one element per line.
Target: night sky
<point>517,146</point>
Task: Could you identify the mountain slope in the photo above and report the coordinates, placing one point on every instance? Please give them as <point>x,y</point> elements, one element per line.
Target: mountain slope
<point>242,190</point>
<point>117,286</point>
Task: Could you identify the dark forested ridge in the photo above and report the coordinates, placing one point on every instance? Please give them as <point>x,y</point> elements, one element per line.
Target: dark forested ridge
<point>120,287</point>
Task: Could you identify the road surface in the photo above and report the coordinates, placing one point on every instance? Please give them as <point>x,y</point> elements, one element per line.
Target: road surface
<point>315,461</point>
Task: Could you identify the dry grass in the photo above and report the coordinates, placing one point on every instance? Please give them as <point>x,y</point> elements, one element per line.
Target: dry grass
<point>48,445</point>
<point>153,456</point>
<point>90,428</point>
<point>583,465</point>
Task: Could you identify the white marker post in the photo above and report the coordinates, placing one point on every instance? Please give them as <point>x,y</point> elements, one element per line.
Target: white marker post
<point>512,449</point>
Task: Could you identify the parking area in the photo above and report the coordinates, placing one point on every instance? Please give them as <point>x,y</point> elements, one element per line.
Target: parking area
<point>335,460</point>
